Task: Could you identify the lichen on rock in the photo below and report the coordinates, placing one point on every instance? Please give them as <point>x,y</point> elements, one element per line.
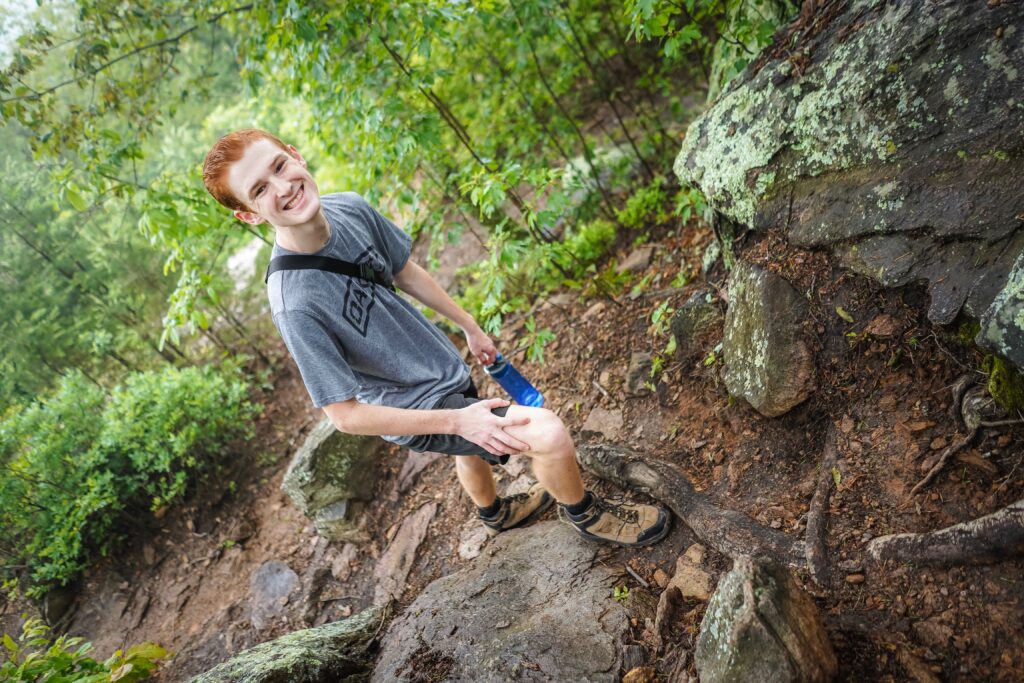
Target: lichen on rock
<point>339,652</point>
<point>329,477</point>
<point>897,144</point>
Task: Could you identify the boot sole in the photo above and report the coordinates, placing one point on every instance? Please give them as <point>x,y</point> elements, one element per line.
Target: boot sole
<point>625,544</point>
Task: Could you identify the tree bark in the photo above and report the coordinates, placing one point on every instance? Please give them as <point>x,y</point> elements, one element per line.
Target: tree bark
<point>816,549</point>
<point>987,539</point>
<point>727,531</point>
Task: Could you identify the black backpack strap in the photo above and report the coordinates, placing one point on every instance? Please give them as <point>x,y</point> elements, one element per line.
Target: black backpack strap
<point>363,271</point>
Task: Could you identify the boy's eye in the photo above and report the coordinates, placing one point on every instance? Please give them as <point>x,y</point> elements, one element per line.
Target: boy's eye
<point>259,190</point>
<point>280,165</point>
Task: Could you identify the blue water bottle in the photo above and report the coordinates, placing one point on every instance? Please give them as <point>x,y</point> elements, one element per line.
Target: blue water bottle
<point>517,386</point>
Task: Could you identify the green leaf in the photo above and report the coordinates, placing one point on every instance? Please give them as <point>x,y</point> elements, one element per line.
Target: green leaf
<point>837,477</point>
<point>9,644</point>
<point>843,314</point>
<point>75,198</point>
<point>306,30</point>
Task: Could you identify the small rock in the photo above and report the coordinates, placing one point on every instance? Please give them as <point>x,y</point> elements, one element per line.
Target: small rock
<point>148,554</point>
<point>850,566</point>
<point>660,578</point>
<point>768,363</point>
<point>695,554</point>
<point>593,311</point>
<point>641,674</point>
<point>341,566</point>
<point>693,319</point>
<point>689,578</point>
<point>938,443</point>
<point>855,578</point>
<point>607,423</point>
<point>472,539</point>
<point>638,260</point>
<point>883,326</point>
<point>270,586</point>
<point>638,374</point>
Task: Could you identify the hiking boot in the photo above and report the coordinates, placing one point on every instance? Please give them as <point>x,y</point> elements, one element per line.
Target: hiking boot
<point>518,509</point>
<point>628,524</point>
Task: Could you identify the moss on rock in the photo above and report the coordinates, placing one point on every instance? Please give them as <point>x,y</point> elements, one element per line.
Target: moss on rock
<point>339,652</point>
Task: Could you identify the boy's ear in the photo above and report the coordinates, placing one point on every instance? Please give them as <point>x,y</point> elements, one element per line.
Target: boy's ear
<point>250,217</point>
<point>295,155</point>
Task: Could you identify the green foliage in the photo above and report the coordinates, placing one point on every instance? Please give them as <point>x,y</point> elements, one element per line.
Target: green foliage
<point>36,657</point>
<point>690,203</point>
<point>620,593</point>
<point>81,465</point>
<point>724,35</point>
<point>536,340</point>
<point>646,202</point>
<point>519,270</point>
<point>590,240</point>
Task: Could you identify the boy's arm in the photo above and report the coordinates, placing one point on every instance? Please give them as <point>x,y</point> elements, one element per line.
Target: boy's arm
<point>474,423</point>
<point>418,283</point>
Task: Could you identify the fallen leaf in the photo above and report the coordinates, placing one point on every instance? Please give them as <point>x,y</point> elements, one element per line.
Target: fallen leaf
<point>837,477</point>
<point>977,461</point>
<point>843,314</point>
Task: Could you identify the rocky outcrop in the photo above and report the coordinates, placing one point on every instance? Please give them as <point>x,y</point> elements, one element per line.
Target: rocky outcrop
<point>890,133</point>
<point>761,627</point>
<point>535,606</point>
<point>330,477</point>
<point>339,652</point>
<point>767,361</point>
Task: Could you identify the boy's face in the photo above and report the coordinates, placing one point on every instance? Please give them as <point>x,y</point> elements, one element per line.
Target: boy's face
<point>275,185</point>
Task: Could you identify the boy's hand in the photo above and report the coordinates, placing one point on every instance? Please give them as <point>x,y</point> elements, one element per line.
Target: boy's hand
<point>481,346</point>
<point>478,424</point>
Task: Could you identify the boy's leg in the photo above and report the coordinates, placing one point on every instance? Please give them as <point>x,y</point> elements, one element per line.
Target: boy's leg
<point>553,455</point>
<point>475,476</point>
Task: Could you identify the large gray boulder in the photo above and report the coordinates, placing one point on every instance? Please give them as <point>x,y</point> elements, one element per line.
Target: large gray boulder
<point>890,133</point>
<point>535,606</point>
<point>330,477</point>
<point>339,652</point>
<point>767,361</point>
<point>761,627</point>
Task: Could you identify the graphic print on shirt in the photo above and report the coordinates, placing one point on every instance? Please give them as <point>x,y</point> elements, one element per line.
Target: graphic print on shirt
<point>360,294</point>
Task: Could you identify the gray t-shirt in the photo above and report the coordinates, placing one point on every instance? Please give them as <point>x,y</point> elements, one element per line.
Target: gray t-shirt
<point>355,339</point>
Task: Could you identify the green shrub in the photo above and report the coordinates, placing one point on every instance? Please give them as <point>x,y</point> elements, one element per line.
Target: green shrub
<point>35,658</point>
<point>645,202</point>
<point>589,241</point>
<point>81,466</point>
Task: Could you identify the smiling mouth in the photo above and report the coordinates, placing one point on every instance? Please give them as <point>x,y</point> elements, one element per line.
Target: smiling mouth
<point>296,199</point>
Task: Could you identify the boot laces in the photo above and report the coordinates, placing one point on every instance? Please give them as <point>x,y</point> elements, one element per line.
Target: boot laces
<point>618,509</point>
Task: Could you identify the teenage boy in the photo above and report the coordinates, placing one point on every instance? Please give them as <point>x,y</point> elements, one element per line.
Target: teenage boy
<point>376,365</point>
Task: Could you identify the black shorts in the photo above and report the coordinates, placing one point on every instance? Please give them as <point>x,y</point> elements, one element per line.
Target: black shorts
<point>452,444</point>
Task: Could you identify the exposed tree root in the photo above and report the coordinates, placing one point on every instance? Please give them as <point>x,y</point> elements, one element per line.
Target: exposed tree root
<point>950,451</point>
<point>815,549</point>
<point>727,531</point>
<point>991,538</point>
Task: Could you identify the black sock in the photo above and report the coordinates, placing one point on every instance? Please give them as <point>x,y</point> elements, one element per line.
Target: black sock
<point>491,510</point>
<point>580,507</point>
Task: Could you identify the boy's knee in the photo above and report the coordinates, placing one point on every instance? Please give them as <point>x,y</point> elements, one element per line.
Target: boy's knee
<point>549,434</point>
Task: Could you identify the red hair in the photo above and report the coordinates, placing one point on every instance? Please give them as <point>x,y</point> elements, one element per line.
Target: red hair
<point>225,152</point>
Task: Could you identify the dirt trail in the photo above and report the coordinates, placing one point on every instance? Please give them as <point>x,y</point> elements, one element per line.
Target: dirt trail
<point>188,586</point>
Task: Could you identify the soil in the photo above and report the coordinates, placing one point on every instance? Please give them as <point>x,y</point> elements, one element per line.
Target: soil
<point>186,585</point>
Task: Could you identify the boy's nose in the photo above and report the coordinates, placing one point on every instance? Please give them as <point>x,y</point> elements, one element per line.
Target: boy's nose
<point>281,186</point>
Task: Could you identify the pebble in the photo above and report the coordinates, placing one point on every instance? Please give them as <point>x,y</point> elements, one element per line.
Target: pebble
<point>854,578</point>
